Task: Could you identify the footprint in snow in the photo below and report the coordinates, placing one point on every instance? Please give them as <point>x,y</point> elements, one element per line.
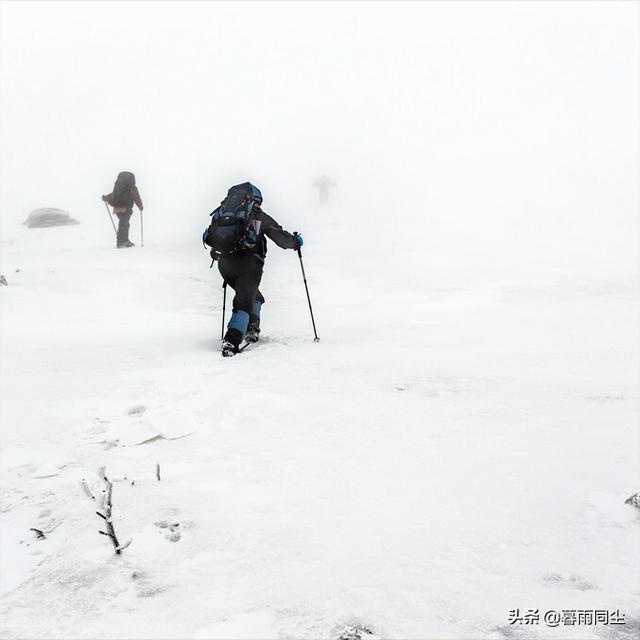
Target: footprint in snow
<point>149,592</point>
<point>571,581</point>
<point>506,632</point>
<point>145,588</point>
<point>136,410</point>
<point>607,398</point>
<point>170,528</point>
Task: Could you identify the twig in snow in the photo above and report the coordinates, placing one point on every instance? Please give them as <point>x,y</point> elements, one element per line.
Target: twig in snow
<point>158,471</point>
<point>87,491</point>
<point>106,508</point>
<point>39,534</point>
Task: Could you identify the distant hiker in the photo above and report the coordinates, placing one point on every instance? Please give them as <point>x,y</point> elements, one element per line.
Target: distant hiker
<point>322,184</point>
<point>124,195</point>
<point>237,239</point>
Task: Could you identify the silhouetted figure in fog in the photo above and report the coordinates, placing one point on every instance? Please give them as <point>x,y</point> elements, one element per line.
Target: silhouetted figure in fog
<point>124,195</point>
<point>322,184</point>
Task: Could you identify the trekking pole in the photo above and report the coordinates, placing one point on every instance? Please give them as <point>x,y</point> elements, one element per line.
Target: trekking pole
<point>304,277</point>
<point>141,230</point>
<point>110,218</point>
<point>224,307</point>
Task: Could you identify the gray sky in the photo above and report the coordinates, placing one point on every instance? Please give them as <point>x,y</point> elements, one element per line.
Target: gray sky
<point>504,124</point>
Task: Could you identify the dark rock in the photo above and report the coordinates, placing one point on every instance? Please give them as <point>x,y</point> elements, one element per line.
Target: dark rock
<point>49,217</point>
<point>356,632</point>
<point>633,500</point>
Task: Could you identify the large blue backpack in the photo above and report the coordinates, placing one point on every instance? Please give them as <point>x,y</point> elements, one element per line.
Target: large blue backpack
<point>231,229</point>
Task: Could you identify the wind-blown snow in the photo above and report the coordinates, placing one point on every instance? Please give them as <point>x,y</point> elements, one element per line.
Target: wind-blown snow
<point>460,443</point>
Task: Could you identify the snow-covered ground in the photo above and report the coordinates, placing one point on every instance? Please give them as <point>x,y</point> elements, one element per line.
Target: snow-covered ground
<point>460,443</point>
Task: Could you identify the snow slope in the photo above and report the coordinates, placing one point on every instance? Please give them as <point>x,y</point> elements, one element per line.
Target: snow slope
<point>460,443</point>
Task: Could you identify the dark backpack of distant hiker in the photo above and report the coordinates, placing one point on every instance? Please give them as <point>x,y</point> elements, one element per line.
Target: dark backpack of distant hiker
<point>122,195</point>
<point>231,229</point>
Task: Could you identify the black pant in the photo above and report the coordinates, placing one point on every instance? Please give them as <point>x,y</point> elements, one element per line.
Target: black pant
<point>123,226</point>
<point>242,272</point>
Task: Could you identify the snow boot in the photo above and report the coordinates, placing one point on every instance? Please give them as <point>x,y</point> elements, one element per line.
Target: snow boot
<point>253,332</point>
<point>228,349</point>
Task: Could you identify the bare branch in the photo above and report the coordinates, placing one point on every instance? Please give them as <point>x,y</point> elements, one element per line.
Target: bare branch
<point>39,534</point>
<point>106,505</point>
<point>122,547</point>
<point>158,471</point>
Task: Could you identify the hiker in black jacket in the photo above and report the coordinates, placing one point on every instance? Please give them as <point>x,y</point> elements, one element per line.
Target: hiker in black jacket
<point>238,239</point>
